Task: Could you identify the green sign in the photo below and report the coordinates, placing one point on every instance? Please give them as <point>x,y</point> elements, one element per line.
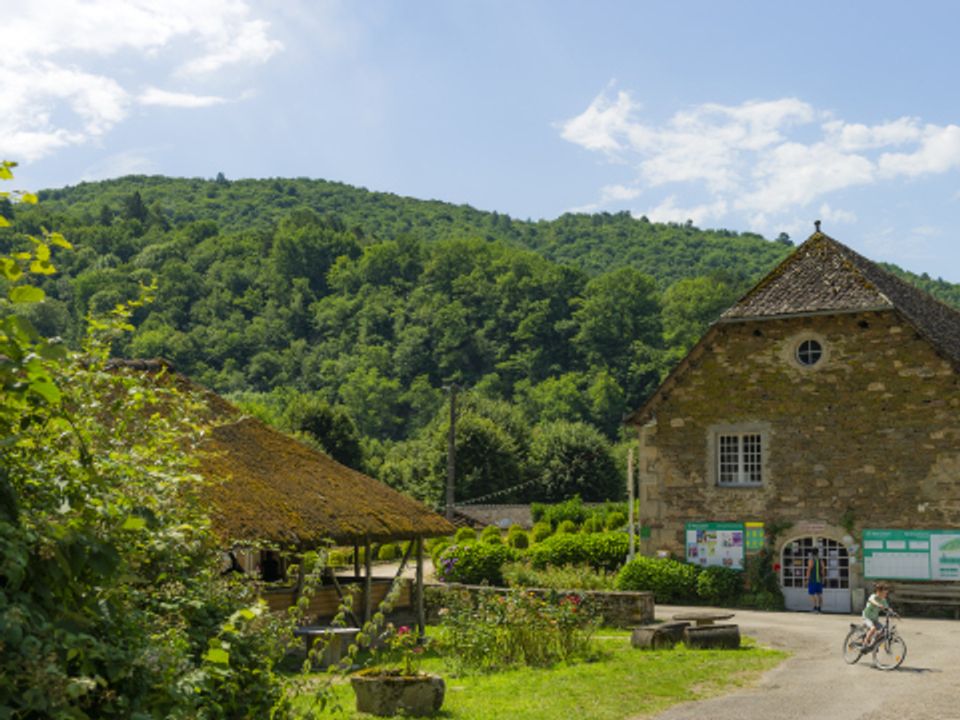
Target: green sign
<point>753,539</point>
<point>911,554</point>
<point>715,544</point>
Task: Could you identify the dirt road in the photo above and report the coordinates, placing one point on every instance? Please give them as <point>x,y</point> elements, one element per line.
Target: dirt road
<point>816,683</point>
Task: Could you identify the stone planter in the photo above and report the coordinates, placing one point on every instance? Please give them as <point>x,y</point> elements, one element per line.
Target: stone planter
<point>387,695</point>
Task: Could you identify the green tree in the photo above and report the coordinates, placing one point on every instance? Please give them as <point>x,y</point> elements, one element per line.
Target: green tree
<point>573,459</point>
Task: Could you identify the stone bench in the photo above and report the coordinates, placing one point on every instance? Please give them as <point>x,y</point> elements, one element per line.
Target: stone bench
<point>708,637</point>
<point>336,639</point>
<point>658,637</point>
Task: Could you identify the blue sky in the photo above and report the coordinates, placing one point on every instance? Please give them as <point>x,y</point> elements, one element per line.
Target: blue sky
<point>742,115</point>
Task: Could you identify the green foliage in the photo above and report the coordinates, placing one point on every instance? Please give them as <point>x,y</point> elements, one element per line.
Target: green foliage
<point>112,603</point>
<point>719,585</point>
<point>483,632</point>
<point>566,526</point>
<point>473,563</point>
<point>615,520</point>
<point>388,552</point>
<point>464,534</point>
<point>762,581</point>
<point>566,577</point>
<point>669,581</point>
<point>490,531</point>
<point>571,509</point>
<point>518,540</point>
<point>574,458</point>
<point>592,524</point>
<point>602,551</point>
<point>367,304</point>
<point>541,531</point>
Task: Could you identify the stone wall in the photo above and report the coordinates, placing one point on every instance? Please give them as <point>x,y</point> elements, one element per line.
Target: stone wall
<point>867,437</point>
<point>619,609</point>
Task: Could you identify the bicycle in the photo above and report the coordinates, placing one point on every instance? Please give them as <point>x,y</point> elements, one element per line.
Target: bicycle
<point>888,648</point>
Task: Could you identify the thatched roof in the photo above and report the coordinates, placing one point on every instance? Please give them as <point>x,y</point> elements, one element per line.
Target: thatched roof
<point>825,277</point>
<point>268,486</point>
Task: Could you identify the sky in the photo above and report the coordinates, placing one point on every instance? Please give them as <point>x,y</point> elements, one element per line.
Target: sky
<point>749,116</point>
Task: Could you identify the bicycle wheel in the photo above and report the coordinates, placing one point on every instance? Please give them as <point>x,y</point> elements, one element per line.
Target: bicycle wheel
<point>853,646</point>
<point>890,653</point>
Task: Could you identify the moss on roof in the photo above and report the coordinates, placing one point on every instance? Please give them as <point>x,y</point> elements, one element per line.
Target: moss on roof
<point>267,486</point>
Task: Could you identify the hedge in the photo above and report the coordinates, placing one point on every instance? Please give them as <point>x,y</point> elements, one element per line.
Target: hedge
<point>669,580</point>
<point>602,551</point>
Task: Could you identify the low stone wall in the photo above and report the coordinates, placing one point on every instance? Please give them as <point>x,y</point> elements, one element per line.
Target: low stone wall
<point>619,609</point>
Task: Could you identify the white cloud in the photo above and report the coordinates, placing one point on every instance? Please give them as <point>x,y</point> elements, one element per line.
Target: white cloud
<point>835,215</point>
<point>51,101</point>
<point>127,163</point>
<point>155,96</point>
<point>668,211</point>
<point>597,127</point>
<point>939,152</point>
<point>761,159</point>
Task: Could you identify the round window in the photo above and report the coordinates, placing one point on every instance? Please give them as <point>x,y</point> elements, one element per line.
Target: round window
<point>809,352</point>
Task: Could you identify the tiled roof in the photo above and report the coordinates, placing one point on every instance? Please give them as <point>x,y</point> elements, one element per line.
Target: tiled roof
<point>824,276</point>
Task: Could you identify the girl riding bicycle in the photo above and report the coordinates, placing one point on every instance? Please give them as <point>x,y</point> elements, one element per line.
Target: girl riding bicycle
<point>876,604</point>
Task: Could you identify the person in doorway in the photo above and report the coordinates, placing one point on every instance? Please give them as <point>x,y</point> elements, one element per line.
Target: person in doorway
<point>876,604</point>
<point>814,580</point>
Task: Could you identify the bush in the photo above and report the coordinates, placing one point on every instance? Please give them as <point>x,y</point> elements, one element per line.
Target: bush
<point>465,534</point>
<point>493,631</point>
<point>492,539</point>
<point>568,577</point>
<point>489,531</point>
<point>616,520</point>
<point>572,510</point>
<point>566,526</point>
<point>337,557</point>
<point>473,563</point>
<point>388,552</point>
<point>437,550</point>
<point>515,528</point>
<point>541,531</point>
<point>518,540</point>
<point>719,585</point>
<point>602,551</point>
<point>669,580</point>
<point>592,524</point>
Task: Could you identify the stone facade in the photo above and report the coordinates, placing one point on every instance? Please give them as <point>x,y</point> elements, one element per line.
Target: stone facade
<point>869,436</point>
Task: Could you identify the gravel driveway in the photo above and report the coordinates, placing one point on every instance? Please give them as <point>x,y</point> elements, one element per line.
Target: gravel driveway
<point>815,682</point>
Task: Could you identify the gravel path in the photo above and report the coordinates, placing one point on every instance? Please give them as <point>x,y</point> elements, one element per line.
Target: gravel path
<point>815,682</point>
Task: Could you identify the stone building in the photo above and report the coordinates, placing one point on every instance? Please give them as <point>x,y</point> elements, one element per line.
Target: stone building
<point>825,406</point>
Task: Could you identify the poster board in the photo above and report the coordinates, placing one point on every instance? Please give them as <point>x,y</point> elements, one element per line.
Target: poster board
<point>715,544</point>
<point>911,554</point>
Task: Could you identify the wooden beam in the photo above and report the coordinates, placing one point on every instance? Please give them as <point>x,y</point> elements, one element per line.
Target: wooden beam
<point>367,582</point>
<point>356,560</point>
<point>418,590</point>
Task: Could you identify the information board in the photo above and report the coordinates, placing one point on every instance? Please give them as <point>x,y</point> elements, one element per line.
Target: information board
<point>715,544</point>
<point>753,539</point>
<point>911,554</point>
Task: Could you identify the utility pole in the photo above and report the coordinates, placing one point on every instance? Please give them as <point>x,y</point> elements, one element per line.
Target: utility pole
<point>632,551</point>
<point>452,388</point>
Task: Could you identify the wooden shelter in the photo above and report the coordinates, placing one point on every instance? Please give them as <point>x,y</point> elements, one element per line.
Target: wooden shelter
<point>267,487</point>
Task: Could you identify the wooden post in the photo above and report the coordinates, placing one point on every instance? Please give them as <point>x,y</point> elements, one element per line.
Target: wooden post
<point>451,451</point>
<point>633,546</point>
<point>356,560</point>
<point>421,611</point>
<point>367,581</point>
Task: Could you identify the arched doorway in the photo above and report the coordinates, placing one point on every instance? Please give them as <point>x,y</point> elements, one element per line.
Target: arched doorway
<point>794,557</point>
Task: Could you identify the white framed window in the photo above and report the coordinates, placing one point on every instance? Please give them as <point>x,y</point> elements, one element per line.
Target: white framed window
<point>739,458</point>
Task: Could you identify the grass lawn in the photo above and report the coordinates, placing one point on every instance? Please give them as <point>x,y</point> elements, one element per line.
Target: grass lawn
<point>622,683</point>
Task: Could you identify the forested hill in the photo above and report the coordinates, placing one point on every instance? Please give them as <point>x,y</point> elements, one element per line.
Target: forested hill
<point>342,314</point>
<point>594,243</point>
